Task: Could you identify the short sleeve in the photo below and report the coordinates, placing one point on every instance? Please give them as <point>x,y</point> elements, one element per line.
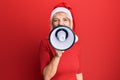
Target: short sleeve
<point>44,55</point>
<point>79,69</point>
<point>79,58</point>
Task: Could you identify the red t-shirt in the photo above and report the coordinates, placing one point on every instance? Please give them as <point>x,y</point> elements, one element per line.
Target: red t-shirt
<point>69,64</point>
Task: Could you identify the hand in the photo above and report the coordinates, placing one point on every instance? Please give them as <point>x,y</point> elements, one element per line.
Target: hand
<point>59,53</point>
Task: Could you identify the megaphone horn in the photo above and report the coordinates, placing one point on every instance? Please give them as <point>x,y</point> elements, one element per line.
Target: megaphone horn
<point>62,38</point>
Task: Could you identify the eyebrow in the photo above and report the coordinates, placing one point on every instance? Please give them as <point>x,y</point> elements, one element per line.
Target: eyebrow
<point>54,18</point>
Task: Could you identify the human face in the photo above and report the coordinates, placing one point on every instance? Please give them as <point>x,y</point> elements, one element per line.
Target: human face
<point>61,18</point>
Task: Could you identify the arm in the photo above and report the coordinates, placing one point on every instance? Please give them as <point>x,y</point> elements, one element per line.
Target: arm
<point>79,76</point>
<point>50,70</point>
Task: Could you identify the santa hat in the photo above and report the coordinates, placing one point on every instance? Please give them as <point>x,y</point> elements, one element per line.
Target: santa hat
<point>63,7</point>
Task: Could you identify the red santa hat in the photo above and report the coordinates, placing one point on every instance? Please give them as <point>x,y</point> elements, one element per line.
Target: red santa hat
<point>63,7</point>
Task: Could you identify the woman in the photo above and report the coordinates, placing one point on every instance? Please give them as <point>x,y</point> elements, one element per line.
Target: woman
<point>60,65</point>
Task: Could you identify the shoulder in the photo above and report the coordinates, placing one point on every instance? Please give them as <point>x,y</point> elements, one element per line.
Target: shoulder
<point>44,43</point>
<point>46,47</point>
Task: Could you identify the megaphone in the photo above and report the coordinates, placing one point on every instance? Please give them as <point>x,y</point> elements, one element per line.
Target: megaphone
<point>62,38</point>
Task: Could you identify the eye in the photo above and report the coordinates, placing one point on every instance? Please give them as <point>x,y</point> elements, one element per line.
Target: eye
<point>55,20</point>
<point>65,19</point>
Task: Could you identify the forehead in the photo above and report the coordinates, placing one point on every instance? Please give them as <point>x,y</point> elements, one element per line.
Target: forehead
<point>61,14</point>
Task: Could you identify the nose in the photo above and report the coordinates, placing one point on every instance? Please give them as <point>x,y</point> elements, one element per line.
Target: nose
<point>61,22</point>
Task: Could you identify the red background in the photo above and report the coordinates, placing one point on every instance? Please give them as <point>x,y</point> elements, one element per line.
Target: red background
<point>24,22</point>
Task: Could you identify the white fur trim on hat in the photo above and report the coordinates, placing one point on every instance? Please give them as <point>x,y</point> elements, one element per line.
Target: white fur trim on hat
<point>62,9</point>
